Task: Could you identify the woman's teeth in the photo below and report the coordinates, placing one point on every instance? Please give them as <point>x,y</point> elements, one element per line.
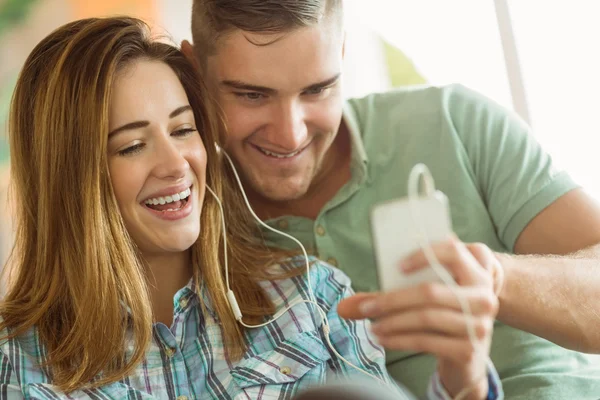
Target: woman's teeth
<point>169,199</point>
<point>278,155</point>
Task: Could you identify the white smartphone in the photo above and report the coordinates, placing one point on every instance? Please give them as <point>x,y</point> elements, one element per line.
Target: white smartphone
<point>395,237</point>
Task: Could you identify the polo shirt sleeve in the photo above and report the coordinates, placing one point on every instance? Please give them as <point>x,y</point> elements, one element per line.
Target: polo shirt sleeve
<point>516,178</point>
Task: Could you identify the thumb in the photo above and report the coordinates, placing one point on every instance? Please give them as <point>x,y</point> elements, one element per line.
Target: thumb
<point>349,307</point>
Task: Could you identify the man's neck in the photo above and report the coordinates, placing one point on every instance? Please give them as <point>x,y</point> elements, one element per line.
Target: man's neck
<point>334,174</point>
<point>168,273</point>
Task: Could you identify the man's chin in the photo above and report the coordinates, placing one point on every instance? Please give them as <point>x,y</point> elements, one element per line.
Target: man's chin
<point>262,187</point>
<point>279,197</point>
<point>278,193</point>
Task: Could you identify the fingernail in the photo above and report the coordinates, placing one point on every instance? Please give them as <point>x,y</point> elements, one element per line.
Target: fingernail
<point>368,307</point>
<point>406,266</point>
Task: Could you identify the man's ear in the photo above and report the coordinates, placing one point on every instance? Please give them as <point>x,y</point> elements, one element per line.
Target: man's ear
<point>188,50</point>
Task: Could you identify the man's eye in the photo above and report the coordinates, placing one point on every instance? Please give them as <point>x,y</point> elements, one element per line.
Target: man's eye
<point>252,96</point>
<point>315,91</point>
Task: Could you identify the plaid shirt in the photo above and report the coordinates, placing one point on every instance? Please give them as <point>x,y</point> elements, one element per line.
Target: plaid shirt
<point>187,361</point>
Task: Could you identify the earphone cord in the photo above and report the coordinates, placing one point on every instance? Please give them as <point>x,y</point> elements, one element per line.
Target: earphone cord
<point>231,296</point>
<point>421,171</point>
<point>413,192</point>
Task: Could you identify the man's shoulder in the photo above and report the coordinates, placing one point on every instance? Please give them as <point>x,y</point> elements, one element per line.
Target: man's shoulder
<point>420,98</point>
<point>418,111</point>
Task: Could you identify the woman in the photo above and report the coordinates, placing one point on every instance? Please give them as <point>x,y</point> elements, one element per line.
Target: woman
<point>117,287</point>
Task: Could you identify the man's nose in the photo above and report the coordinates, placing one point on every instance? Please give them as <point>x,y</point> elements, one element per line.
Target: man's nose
<point>289,132</point>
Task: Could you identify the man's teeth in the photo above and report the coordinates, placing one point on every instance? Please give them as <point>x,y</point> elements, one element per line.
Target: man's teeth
<point>169,199</point>
<point>278,155</point>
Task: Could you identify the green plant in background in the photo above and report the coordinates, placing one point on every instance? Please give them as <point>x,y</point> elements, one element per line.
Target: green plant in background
<point>401,69</point>
<point>12,12</point>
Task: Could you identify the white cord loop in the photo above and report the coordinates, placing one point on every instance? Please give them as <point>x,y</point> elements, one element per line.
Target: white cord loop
<point>421,171</point>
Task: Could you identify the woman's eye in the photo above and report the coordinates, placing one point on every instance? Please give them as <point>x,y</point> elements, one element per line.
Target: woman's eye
<point>136,148</point>
<point>183,132</point>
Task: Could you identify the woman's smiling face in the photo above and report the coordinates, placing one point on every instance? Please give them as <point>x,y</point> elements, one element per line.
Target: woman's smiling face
<point>157,160</point>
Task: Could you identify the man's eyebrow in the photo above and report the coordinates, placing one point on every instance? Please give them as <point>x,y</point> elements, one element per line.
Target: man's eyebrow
<point>239,85</point>
<point>322,84</point>
<point>143,124</point>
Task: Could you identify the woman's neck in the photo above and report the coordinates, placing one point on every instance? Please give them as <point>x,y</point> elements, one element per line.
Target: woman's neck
<point>167,274</point>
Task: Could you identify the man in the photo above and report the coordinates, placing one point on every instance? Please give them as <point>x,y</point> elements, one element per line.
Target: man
<point>314,166</point>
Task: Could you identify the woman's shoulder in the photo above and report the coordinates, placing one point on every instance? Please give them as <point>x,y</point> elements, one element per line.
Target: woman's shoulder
<point>297,321</point>
<point>24,354</point>
<point>327,283</point>
<point>25,344</point>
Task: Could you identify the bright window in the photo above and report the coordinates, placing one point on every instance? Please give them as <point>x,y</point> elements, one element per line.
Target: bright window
<point>459,41</point>
<point>558,43</point>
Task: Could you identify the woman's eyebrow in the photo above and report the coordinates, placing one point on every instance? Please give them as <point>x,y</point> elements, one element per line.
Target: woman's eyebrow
<point>143,124</point>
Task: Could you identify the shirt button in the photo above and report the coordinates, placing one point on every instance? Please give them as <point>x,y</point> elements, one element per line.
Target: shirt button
<point>320,230</point>
<point>169,352</point>
<point>285,370</point>
<point>283,224</point>
<point>332,261</point>
<point>182,398</point>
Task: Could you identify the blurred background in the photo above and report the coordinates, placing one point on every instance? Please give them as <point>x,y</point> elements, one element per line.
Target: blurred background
<point>539,58</point>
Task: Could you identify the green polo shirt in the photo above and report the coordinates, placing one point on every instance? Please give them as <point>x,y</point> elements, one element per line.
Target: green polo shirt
<point>497,179</point>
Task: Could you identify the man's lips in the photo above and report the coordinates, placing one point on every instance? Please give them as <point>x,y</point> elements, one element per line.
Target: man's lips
<point>273,154</point>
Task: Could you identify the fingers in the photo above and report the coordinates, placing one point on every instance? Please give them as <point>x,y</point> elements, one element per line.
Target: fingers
<point>430,295</point>
<point>482,254</point>
<point>447,348</point>
<point>488,260</point>
<point>349,308</point>
<point>456,257</point>
<point>445,322</point>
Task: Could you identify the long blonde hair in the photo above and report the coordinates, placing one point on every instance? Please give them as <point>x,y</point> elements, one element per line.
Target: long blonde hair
<point>76,276</point>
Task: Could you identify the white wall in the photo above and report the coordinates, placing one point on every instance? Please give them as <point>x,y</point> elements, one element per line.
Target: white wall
<point>176,18</point>
<point>449,41</point>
